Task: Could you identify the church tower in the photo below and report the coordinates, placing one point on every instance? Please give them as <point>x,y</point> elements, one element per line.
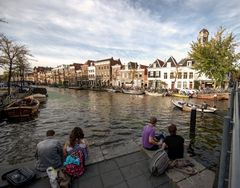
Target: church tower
<point>203,36</point>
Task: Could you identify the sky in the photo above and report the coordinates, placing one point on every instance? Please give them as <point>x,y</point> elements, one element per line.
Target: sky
<point>73,31</point>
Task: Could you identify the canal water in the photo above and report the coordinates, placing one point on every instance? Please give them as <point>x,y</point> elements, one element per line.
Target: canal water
<point>110,118</point>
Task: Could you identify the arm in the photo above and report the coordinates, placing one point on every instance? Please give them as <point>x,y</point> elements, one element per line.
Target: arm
<point>152,140</point>
<point>164,146</point>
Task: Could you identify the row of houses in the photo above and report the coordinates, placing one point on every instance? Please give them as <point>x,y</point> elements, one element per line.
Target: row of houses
<point>111,72</point>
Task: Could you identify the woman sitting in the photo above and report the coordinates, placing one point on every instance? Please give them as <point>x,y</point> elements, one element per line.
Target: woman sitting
<point>75,153</point>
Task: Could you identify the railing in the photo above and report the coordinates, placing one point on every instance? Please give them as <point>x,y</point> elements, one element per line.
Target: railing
<point>235,165</point>
<point>229,171</point>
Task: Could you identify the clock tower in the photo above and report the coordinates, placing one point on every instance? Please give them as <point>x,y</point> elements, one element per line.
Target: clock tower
<point>203,36</point>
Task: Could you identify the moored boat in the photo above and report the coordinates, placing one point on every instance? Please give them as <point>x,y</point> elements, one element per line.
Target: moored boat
<point>180,95</point>
<point>184,106</point>
<point>133,91</point>
<point>40,97</point>
<point>213,96</point>
<point>154,93</point>
<point>22,108</point>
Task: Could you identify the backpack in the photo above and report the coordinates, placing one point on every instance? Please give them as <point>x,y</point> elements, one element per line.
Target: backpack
<point>159,163</point>
<point>73,169</point>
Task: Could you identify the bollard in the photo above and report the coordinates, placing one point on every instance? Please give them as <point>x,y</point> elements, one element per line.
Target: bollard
<point>190,149</point>
<point>193,118</point>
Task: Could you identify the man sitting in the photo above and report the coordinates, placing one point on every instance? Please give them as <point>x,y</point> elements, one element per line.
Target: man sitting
<point>174,143</point>
<point>49,152</point>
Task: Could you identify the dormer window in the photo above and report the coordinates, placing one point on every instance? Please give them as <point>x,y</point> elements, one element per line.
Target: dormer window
<point>189,63</point>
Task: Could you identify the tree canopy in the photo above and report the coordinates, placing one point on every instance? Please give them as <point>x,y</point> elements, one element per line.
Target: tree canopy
<point>13,57</point>
<point>216,58</point>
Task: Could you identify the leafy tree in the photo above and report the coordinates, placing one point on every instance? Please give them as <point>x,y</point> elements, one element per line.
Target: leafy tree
<point>11,56</point>
<point>216,58</point>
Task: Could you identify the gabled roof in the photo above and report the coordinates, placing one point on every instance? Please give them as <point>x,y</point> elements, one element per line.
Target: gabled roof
<point>132,65</point>
<point>159,63</point>
<point>88,62</point>
<point>172,61</point>
<point>183,62</point>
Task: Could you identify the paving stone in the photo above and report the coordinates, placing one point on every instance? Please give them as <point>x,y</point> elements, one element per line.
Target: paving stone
<point>107,166</point>
<point>39,184</point>
<point>112,178</point>
<point>131,158</point>
<point>139,182</point>
<point>121,185</point>
<point>91,171</point>
<point>90,182</point>
<point>131,171</point>
<point>114,150</point>
<point>177,176</point>
<point>204,179</point>
<point>157,181</point>
<point>131,147</point>
<point>95,155</point>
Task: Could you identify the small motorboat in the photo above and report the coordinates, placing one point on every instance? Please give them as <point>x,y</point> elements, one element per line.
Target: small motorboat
<point>22,108</point>
<point>133,91</point>
<point>184,106</point>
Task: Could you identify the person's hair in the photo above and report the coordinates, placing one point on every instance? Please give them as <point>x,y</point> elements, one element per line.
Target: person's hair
<point>153,120</point>
<point>50,133</point>
<point>172,129</point>
<point>76,134</point>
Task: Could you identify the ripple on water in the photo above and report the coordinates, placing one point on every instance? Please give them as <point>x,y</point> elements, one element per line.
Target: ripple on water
<point>108,119</point>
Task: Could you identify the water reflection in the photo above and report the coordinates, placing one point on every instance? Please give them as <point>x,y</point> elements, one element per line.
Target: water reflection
<point>109,118</point>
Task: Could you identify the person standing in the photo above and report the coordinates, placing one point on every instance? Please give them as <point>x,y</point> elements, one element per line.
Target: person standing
<point>49,153</point>
<point>150,140</point>
<point>174,144</point>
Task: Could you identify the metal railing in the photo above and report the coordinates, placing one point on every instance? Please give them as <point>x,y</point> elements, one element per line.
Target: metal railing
<point>235,157</point>
<point>229,171</point>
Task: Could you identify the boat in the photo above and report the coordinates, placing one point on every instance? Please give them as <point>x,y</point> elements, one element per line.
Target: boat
<point>133,91</point>
<point>111,90</point>
<point>40,97</point>
<point>180,95</point>
<point>184,106</point>
<point>26,107</point>
<point>154,93</point>
<point>213,96</point>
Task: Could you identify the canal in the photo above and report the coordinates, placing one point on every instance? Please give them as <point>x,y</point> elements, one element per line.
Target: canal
<point>109,118</point>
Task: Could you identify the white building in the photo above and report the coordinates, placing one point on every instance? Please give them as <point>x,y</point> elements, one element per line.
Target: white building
<point>173,75</point>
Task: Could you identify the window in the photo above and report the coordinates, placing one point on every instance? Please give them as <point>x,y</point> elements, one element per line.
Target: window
<point>179,85</point>
<point>157,73</point>
<point>171,75</point>
<point>184,85</point>
<point>151,74</point>
<point>185,75</point>
<point>165,75</point>
<point>179,75</point>
<point>191,75</point>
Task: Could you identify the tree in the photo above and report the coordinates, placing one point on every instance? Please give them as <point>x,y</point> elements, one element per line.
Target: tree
<point>216,58</point>
<point>11,56</point>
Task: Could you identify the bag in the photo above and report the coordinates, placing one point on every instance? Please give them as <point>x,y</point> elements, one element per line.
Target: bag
<point>179,163</point>
<point>183,165</point>
<point>19,177</point>
<point>75,170</point>
<point>52,175</point>
<point>159,163</point>
<point>63,179</point>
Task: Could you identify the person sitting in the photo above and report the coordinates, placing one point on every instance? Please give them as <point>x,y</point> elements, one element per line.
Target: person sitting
<point>150,140</point>
<point>49,153</point>
<point>174,144</point>
<point>75,153</point>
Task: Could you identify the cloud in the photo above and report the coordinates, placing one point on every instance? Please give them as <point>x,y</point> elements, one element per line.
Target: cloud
<point>133,30</point>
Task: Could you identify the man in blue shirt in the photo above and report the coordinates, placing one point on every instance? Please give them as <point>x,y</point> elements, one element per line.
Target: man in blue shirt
<point>49,153</point>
